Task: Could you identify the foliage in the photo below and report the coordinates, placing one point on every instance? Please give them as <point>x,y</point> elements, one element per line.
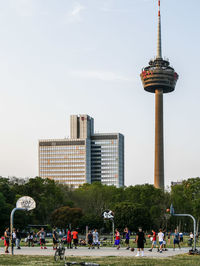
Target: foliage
<point>140,205</point>
<point>64,216</point>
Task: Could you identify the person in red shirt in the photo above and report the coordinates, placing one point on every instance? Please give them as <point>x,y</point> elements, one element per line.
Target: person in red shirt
<point>117,238</point>
<point>154,243</point>
<point>69,239</point>
<point>75,238</point>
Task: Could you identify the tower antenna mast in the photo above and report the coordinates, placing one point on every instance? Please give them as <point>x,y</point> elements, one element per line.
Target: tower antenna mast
<point>159,44</point>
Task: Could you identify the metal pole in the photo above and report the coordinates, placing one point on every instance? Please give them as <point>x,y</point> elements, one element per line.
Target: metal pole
<point>11,226</point>
<point>86,236</point>
<point>194,221</point>
<point>113,229</point>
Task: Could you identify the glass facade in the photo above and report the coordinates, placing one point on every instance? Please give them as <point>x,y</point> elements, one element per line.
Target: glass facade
<point>107,151</point>
<point>85,157</point>
<point>64,161</point>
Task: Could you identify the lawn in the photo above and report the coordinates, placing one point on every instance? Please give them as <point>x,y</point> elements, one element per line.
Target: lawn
<point>103,261</point>
<point>109,244</point>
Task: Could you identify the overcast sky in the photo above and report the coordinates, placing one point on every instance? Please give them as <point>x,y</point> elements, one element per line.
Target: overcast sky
<point>62,57</point>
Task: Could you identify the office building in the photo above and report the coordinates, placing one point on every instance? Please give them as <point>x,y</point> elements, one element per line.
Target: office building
<point>85,157</point>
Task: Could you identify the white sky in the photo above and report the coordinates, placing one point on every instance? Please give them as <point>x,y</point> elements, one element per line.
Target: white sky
<point>62,57</point>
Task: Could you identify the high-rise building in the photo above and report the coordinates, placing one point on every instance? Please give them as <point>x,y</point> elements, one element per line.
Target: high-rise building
<point>85,157</point>
<point>159,77</point>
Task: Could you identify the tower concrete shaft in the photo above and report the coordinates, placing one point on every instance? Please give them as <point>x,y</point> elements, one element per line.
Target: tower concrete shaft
<point>159,146</point>
<point>159,78</point>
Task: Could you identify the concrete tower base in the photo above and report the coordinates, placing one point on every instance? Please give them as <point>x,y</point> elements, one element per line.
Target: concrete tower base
<point>159,147</point>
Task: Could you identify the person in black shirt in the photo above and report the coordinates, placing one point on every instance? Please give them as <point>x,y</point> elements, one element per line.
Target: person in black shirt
<point>90,239</point>
<point>55,238</point>
<point>6,239</point>
<point>18,239</point>
<point>140,240</point>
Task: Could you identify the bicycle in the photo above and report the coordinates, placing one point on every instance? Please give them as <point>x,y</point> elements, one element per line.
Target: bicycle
<point>60,252</point>
<point>81,263</point>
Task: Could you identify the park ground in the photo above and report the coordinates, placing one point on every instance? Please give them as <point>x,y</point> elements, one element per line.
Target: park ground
<point>182,260</point>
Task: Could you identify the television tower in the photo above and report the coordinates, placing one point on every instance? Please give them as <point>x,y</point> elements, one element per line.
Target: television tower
<point>159,77</point>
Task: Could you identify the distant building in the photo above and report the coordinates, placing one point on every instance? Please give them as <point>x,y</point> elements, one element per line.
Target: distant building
<point>176,183</point>
<point>85,157</point>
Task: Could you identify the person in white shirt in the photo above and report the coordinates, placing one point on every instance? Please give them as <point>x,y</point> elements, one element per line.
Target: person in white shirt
<point>96,239</point>
<point>160,239</point>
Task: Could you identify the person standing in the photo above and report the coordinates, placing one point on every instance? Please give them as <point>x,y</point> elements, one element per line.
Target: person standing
<point>55,238</point>
<point>127,237</point>
<point>90,239</point>
<point>14,237</point>
<point>117,238</point>
<point>69,239</point>
<point>154,243</point>
<point>181,237</point>
<point>164,241</point>
<point>140,240</point>
<point>75,238</point>
<point>161,238</point>
<point>6,239</point>
<point>42,235</point>
<point>168,236</point>
<point>18,239</point>
<point>96,238</point>
<point>176,239</point>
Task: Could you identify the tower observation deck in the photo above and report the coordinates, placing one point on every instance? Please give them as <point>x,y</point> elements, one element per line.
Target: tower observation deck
<point>159,77</point>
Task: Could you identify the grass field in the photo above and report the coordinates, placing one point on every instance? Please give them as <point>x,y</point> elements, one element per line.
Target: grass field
<point>109,244</point>
<point>182,260</point>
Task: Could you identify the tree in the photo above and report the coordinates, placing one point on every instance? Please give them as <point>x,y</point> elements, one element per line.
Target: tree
<point>131,215</point>
<point>64,216</point>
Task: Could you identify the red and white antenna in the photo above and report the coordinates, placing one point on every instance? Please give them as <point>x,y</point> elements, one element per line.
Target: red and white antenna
<point>159,48</point>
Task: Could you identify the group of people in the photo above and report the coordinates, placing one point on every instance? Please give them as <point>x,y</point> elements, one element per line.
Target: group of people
<point>141,240</point>
<point>93,239</point>
<point>16,238</point>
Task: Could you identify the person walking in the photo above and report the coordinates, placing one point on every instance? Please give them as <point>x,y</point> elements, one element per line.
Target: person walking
<point>55,238</point>
<point>90,239</point>
<point>96,239</point>
<point>176,239</point>
<point>160,239</point>
<point>69,239</point>
<point>18,239</point>
<point>6,239</point>
<point>117,238</point>
<point>154,243</point>
<point>140,240</point>
<point>42,235</point>
<point>127,237</point>
<point>75,238</point>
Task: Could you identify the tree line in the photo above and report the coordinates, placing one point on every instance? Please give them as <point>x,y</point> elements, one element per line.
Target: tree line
<point>133,206</point>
